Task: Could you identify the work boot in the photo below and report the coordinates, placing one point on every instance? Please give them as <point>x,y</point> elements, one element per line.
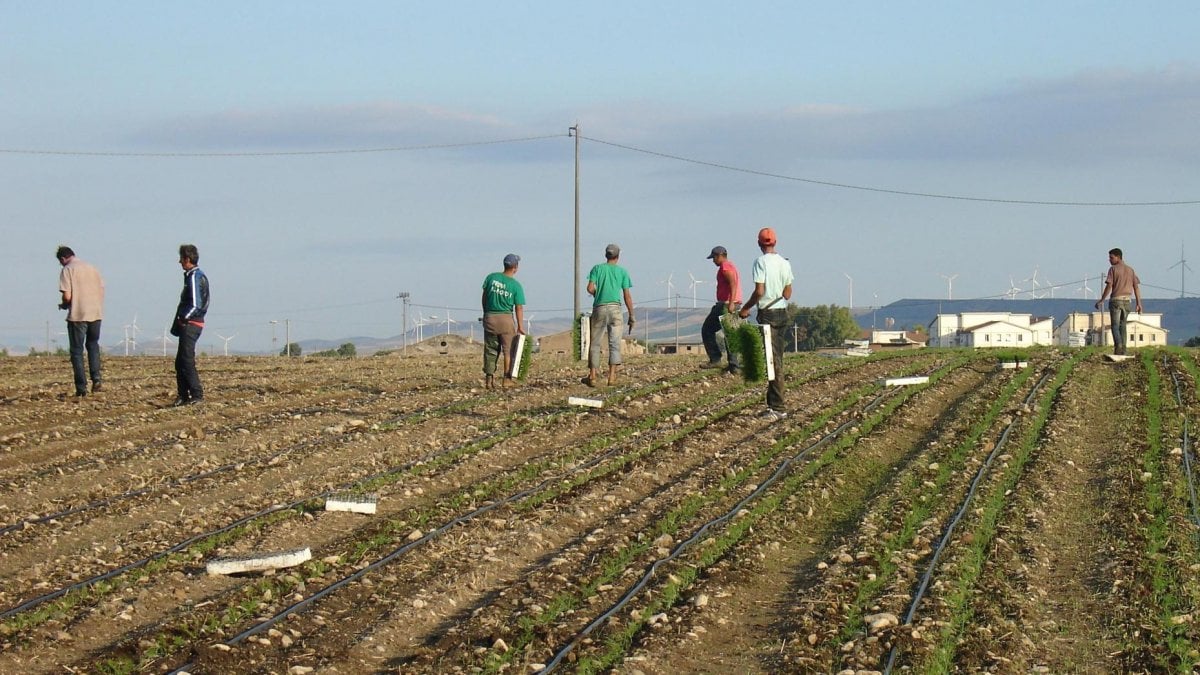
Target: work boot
<point>488,382</point>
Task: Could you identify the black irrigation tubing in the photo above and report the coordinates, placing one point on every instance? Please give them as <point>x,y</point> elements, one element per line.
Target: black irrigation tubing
<point>92,461</point>
<point>962,510</point>
<point>304,604</point>
<point>29,604</point>
<point>33,602</point>
<point>1187,451</point>
<point>779,472</point>
<point>432,411</point>
<point>54,595</point>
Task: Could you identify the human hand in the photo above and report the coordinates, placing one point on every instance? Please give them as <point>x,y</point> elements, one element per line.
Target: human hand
<point>64,305</point>
<point>1098,303</point>
<point>630,323</point>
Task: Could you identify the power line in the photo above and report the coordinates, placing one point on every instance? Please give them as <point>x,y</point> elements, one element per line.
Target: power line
<point>867,188</point>
<point>281,153</point>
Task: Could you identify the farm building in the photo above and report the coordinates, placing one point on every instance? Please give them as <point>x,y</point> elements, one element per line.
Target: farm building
<point>990,329</point>
<point>1094,328</point>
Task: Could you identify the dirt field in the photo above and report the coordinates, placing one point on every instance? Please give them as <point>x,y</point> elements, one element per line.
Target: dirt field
<point>1002,520</point>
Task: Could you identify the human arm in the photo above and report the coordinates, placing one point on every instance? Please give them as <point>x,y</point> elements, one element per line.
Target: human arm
<point>1137,294</point>
<point>1104,293</point>
<point>591,287</point>
<point>629,306</point>
<point>759,288</point>
<point>520,310</point>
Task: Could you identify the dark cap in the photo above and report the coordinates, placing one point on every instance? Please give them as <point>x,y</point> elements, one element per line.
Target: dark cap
<point>717,250</point>
<point>511,260</point>
<point>612,251</point>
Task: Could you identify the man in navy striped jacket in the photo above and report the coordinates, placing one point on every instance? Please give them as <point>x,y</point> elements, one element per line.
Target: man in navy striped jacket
<point>189,322</point>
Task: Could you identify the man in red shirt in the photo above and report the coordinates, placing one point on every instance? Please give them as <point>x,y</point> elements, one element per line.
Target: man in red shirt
<point>729,299</point>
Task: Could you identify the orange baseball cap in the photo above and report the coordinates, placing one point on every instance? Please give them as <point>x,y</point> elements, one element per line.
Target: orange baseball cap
<point>766,237</point>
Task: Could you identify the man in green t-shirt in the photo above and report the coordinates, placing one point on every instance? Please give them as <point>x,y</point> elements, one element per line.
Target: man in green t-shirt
<point>502,296</point>
<point>609,285</point>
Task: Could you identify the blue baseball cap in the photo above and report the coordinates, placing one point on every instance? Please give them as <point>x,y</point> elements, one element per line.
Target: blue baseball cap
<point>511,260</point>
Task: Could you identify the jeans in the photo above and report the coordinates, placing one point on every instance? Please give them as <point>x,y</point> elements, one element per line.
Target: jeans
<point>499,337</point>
<point>81,334</point>
<point>187,380</point>
<point>777,319</point>
<point>708,333</point>
<point>605,317</point>
<point>1118,312</point>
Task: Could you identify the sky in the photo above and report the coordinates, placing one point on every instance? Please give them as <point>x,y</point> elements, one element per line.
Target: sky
<point>326,157</point>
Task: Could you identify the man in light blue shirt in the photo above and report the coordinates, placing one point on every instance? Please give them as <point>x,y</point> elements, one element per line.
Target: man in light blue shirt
<point>772,275</point>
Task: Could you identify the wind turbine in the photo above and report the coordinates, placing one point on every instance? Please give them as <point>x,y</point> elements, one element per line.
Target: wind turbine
<point>529,324</point>
<point>949,285</point>
<point>131,331</point>
<point>166,337</point>
<point>1050,285</point>
<point>670,288</point>
<point>226,339</point>
<point>1183,267</point>
<point>1033,288</point>
<point>695,282</point>
<point>1013,289</point>
<point>1085,289</point>
<point>448,321</point>
<point>420,323</point>
<point>851,289</point>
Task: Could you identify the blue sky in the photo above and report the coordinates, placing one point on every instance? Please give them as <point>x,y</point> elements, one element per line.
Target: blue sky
<point>1014,102</point>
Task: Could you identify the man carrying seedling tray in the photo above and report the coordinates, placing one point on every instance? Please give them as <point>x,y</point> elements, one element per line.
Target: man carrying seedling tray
<point>772,275</point>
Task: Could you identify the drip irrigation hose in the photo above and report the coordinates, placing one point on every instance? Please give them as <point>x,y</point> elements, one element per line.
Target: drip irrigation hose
<point>1186,447</point>
<point>945,540</point>
<point>304,604</point>
<point>698,535</point>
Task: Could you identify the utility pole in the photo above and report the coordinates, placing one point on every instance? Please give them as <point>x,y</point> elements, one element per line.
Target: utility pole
<point>404,298</point>
<point>287,336</point>
<point>677,325</point>
<point>575,281</point>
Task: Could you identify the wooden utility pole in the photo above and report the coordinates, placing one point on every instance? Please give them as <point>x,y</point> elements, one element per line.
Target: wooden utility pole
<point>575,282</point>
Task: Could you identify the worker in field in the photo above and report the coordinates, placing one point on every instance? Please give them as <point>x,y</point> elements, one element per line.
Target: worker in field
<point>729,300</point>
<point>608,284</point>
<point>503,297</point>
<point>82,294</point>
<point>772,275</point>
<point>188,324</point>
<point>1122,284</point>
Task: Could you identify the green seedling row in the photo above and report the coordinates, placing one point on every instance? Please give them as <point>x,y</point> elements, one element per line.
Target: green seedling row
<point>961,583</point>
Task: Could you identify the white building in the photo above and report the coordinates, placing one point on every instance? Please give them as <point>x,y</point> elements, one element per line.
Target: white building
<point>1145,330</point>
<point>990,329</point>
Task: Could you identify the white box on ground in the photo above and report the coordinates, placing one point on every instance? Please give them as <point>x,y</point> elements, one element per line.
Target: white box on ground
<point>589,402</point>
<point>352,503</point>
<point>1118,357</point>
<point>259,562</point>
<point>904,381</point>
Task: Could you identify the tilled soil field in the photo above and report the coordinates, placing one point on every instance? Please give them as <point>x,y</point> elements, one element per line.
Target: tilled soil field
<point>966,517</point>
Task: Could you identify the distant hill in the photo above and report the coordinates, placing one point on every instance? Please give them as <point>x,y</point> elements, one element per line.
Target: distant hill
<point>1181,316</point>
